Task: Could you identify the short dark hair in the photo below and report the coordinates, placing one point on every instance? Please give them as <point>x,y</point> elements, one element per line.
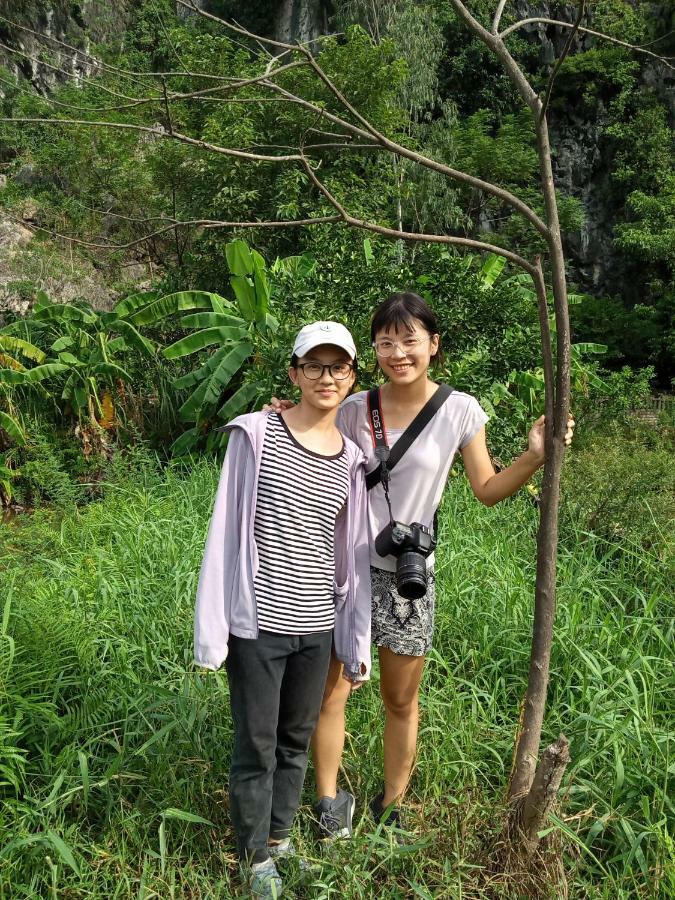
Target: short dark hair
<point>399,311</point>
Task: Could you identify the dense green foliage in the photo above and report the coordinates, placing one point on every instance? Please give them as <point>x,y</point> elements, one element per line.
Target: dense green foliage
<point>115,750</point>
<point>413,70</point>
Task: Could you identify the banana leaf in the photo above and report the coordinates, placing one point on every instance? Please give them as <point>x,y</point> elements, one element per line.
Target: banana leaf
<point>170,304</point>
<point>245,294</point>
<point>61,343</point>
<point>111,370</point>
<point>211,320</point>
<point>239,259</point>
<point>200,339</point>
<point>189,411</point>
<point>237,402</point>
<point>227,369</point>
<point>25,348</point>
<point>193,378</point>
<point>491,270</point>
<point>186,442</point>
<point>134,338</point>
<point>63,312</point>
<point>12,427</point>
<point>134,303</point>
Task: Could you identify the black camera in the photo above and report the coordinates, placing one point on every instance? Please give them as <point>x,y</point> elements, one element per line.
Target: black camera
<point>410,544</point>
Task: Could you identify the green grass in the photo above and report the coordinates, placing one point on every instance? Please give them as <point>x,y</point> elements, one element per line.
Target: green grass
<point>111,744</point>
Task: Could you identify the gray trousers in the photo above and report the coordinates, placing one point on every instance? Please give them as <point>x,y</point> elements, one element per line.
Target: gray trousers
<point>276,687</point>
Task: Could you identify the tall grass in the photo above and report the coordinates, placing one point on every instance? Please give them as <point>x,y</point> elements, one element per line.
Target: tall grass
<point>114,751</point>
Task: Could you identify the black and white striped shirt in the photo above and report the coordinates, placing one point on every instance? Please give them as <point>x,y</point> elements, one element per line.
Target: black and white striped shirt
<point>299,495</point>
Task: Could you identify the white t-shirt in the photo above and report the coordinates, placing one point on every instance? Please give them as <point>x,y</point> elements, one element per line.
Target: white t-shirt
<point>417,481</point>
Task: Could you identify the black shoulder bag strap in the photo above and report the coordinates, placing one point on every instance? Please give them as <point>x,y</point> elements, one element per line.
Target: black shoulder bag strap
<point>388,458</point>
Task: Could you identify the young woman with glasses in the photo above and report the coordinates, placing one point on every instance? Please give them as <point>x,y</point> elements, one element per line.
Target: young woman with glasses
<point>406,341</point>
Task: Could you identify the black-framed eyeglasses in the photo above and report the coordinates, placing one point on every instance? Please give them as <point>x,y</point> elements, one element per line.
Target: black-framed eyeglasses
<point>313,371</point>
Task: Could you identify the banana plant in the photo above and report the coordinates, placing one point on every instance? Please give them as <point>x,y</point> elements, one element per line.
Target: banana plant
<point>234,329</point>
<point>84,345</point>
<point>11,348</point>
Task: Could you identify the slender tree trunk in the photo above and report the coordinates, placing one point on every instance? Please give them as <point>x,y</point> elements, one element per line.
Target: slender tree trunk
<point>529,737</point>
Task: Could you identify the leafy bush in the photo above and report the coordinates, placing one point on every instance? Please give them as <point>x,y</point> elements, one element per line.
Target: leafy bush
<point>621,486</point>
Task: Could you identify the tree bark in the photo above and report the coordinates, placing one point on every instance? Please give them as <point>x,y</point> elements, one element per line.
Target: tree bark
<point>544,790</point>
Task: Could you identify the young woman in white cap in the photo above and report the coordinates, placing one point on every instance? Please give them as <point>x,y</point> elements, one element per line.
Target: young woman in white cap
<point>285,579</point>
<point>405,337</point>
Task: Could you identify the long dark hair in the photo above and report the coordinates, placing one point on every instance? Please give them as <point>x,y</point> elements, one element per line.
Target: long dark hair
<point>399,311</point>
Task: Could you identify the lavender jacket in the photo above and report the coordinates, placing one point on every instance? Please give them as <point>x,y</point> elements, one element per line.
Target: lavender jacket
<point>225,596</point>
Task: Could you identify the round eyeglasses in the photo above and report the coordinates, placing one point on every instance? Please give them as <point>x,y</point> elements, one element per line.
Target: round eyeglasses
<point>408,345</point>
<point>314,371</point>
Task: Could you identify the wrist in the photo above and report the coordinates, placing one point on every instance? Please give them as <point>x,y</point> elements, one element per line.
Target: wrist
<point>533,459</point>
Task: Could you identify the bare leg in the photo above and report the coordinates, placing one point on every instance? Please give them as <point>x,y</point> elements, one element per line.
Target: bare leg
<point>328,740</point>
<point>399,685</point>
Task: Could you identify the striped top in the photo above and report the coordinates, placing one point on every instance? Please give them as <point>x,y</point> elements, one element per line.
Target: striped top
<point>300,493</point>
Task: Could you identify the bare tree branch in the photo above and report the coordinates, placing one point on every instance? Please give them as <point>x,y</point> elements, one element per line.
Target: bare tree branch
<point>498,16</point>
<point>414,236</point>
<point>561,59</point>
<point>207,224</point>
<point>161,133</point>
<point>599,34</point>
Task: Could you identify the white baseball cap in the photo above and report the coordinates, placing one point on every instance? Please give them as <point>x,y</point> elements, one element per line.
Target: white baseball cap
<point>319,333</point>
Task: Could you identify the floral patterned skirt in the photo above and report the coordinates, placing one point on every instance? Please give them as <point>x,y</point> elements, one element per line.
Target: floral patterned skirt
<point>403,626</point>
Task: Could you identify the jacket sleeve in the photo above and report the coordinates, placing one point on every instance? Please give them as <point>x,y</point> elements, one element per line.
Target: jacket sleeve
<point>219,565</point>
<point>353,600</point>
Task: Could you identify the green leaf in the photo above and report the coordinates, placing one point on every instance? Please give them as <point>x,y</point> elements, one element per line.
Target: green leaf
<point>12,376</point>
<point>63,850</point>
<point>69,360</point>
<point>193,378</point>
<point>170,304</point>
<point>134,338</point>
<point>239,259</point>
<point>245,294</point>
<point>111,370</point>
<point>200,339</point>
<point>211,320</point>
<point>12,427</point>
<point>226,370</point>
<point>63,312</point>
<point>491,270</point>
<point>41,299</point>
<point>48,370</point>
<point>587,347</point>
<point>237,402</point>
<point>295,266</point>
<point>186,442</point>
<point>61,343</point>
<point>189,411</point>
<point>183,816</point>
<point>262,295</point>
<point>368,251</point>
<point>25,348</point>
<point>134,303</point>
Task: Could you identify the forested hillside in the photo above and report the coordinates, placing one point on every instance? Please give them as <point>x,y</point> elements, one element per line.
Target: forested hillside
<point>611,120</point>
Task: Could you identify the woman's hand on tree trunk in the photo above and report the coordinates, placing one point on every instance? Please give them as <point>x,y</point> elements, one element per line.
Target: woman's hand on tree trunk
<point>536,441</point>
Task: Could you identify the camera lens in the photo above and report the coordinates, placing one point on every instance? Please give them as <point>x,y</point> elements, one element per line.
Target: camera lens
<point>411,575</point>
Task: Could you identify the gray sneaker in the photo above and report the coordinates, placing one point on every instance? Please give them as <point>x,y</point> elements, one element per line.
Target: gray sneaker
<point>286,853</point>
<point>334,815</point>
<point>263,879</point>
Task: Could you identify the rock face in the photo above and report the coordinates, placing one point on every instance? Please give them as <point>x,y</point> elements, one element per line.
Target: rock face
<point>582,162</point>
<point>299,21</point>
<point>37,25</point>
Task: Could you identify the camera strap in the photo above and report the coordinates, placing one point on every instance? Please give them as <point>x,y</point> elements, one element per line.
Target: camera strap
<point>388,458</point>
